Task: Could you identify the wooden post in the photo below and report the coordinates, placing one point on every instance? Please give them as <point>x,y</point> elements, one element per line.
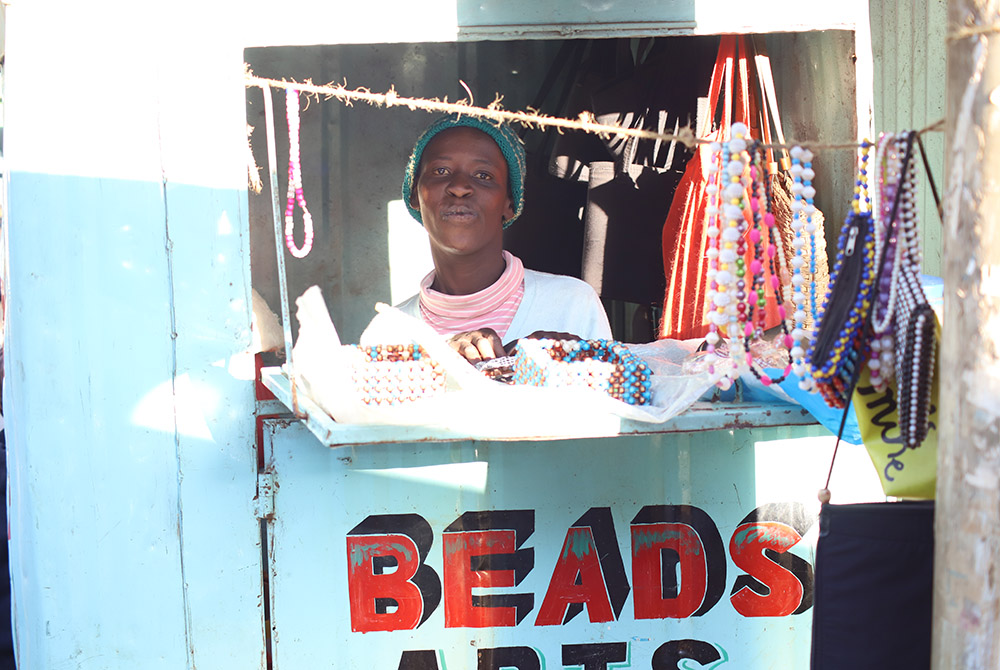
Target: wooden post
<point>967,530</point>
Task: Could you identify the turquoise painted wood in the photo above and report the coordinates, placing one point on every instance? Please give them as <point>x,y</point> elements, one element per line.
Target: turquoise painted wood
<point>326,498</point>
<point>129,419</point>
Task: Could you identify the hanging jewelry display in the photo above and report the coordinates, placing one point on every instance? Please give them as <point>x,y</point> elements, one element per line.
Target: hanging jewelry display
<point>740,213</point>
<point>804,301</point>
<point>295,193</point>
<point>881,344</point>
<point>765,237</point>
<point>726,230</point>
<point>837,347</point>
<point>903,322</point>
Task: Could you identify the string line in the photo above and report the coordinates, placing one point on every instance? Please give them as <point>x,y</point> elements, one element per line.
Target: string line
<point>972,31</point>
<point>531,118</point>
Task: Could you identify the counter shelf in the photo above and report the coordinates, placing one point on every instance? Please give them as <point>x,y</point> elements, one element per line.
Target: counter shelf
<point>702,416</point>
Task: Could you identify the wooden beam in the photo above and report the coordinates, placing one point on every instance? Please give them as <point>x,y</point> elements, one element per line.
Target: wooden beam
<point>967,530</point>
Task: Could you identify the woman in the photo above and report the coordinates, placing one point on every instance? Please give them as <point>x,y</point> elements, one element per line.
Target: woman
<point>465,183</point>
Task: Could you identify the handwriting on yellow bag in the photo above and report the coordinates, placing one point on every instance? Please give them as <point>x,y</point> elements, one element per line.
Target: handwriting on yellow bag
<point>904,473</point>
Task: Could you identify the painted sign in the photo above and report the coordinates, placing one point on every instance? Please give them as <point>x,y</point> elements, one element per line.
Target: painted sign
<point>677,569</point>
<point>649,552</point>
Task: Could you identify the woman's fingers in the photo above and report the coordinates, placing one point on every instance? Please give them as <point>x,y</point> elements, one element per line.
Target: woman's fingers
<point>477,345</point>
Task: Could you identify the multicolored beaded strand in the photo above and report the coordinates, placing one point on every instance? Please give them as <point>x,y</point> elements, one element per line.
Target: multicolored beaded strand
<point>735,193</point>
<point>803,194</point>
<point>295,194</point>
<point>712,230</point>
<point>761,192</point>
<point>602,365</point>
<point>881,361</point>
<point>726,308</point>
<point>393,374</point>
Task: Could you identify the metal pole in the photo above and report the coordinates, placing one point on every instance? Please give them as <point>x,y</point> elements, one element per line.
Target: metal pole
<point>279,240</point>
<point>966,633</point>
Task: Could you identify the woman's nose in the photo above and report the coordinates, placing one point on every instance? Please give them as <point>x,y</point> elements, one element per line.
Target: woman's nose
<point>459,185</point>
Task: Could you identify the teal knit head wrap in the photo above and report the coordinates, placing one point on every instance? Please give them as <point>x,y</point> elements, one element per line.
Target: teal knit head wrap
<point>510,146</point>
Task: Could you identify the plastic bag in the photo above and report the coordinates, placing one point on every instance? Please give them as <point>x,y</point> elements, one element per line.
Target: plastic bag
<point>473,403</point>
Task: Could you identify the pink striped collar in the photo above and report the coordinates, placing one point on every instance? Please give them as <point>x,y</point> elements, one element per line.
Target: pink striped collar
<point>494,306</point>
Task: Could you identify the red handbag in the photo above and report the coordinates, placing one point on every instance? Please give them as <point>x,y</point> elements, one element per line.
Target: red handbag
<point>684,261</point>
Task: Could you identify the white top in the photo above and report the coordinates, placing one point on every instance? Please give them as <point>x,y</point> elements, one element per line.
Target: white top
<point>551,302</point>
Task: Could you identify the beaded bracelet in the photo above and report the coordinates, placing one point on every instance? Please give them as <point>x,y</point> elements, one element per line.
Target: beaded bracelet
<point>603,365</point>
<point>393,374</point>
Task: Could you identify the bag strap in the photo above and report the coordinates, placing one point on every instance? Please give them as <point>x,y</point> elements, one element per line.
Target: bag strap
<point>759,107</point>
<point>721,86</point>
<point>930,180</point>
<point>766,78</point>
<point>743,73</point>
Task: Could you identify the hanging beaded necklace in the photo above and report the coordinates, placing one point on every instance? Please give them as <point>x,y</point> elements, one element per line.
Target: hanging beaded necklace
<point>803,194</point>
<point>295,194</point>
<point>906,326</point>
<point>712,230</point>
<point>726,298</point>
<point>761,193</point>
<point>881,344</point>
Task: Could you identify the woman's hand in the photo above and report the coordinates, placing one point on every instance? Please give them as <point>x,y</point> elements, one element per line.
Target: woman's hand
<point>541,335</point>
<point>477,345</point>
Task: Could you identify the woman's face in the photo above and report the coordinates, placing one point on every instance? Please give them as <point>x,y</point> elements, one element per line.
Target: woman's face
<point>462,193</point>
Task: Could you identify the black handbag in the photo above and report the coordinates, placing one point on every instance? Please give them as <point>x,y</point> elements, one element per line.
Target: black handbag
<point>874,580</point>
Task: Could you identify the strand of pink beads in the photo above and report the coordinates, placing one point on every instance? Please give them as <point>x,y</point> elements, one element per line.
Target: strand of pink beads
<point>295,194</point>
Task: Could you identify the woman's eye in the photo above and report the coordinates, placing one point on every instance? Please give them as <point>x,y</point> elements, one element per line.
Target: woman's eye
<point>440,171</point>
<point>484,175</point>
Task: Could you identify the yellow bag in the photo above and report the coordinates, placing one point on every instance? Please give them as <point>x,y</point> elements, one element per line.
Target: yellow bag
<point>904,473</point>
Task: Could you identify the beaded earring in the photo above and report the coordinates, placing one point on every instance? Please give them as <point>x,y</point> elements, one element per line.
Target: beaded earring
<point>295,193</point>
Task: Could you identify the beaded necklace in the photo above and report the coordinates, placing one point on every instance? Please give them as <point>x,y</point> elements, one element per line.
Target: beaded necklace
<point>803,194</point>
<point>908,321</point>
<point>761,193</point>
<point>295,194</point>
<point>727,294</point>
<point>712,230</point>
<point>881,357</point>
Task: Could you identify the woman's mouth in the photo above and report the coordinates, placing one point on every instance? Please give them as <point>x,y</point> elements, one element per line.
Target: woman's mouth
<point>458,213</point>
